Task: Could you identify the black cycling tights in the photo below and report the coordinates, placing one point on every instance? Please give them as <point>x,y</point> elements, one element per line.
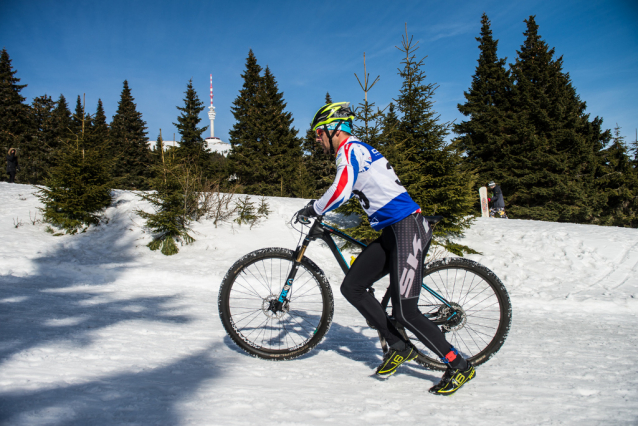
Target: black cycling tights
<point>400,252</point>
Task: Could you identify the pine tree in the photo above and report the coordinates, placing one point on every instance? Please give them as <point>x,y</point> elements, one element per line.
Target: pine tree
<point>549,163</point>
<point>77,119</point>
<point>79,185</point>
<point>40,151</point>
<point>484,136</point>
<point>320,166</point>
<point>619,183</point>
<point>281,149</point>
<point>129,145</point>
<point>368,131</point>
<point>62,120</point>
<point>245,151</point>
<point>15,124</point>
<point>368,120</point>
<point>173,204</point>
<point>389,127</point>
<point>157,153</point>
<point>266,153</point>
<point>100,126</point>
<point>427,166</point>
<point>191,141</point>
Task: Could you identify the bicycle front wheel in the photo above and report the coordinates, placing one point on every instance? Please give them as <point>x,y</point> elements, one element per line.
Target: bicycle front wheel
<point>245,296</point>
<point>480,298</point>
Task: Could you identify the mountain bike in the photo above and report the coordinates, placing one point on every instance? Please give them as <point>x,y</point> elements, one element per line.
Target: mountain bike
<point>277,304</point>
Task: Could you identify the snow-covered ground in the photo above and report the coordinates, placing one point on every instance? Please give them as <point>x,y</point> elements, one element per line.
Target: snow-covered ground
<point>95,329</point>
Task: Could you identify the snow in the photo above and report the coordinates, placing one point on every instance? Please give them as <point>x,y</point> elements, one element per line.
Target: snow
<point>212,144</point>
<point>97,329</point>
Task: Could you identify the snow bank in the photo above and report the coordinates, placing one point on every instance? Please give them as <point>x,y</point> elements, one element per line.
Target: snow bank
<point>97,329</point>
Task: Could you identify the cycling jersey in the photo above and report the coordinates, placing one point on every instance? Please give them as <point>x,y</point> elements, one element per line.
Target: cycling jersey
<point>363,172</point>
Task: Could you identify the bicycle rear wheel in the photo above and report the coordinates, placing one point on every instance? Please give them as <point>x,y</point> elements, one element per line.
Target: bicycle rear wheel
<point>245,295</point>
<point>481,298</point>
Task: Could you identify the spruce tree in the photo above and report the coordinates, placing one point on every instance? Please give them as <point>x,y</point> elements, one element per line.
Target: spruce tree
<point>172,204</point>
<point>157,153</point>
<point>100,126</point>
<point>77,119</point>
<point>485,134</point>
<point>278,174</point>
<point>40,151</point>
<point>129,145</point>
<point>368,131</point>
<point>428,167</point>
<point>62,120</point>
<point>191,142</point>
<point>78,188</point>
<point>320,166</point>
<point>550,161</point>
<point>15,124</point>
<point>368,120</point>
<point>389,126</point>
<point>266,153</point>
<point>246,152</point>
<point>618,181</point>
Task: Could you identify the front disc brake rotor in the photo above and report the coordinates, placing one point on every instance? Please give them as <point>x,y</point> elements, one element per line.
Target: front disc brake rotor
<point>452,317</point>
<point>267,307</point>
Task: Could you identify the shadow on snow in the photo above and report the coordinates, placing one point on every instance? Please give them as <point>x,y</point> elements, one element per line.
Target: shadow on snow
<point>65,302</point>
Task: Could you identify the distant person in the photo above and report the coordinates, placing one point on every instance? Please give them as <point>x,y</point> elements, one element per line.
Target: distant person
<point>498,205</point>
<point>12,164</point>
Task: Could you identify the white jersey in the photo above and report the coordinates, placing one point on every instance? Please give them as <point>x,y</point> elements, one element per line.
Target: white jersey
<point>363,172</point>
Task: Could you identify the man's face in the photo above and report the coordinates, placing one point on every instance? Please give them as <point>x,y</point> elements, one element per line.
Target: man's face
<point>322,139</point>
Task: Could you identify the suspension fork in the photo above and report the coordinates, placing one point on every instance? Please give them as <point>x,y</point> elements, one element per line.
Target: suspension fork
<point>278,304</point>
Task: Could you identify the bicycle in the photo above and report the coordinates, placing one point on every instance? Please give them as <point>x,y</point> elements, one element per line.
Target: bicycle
<point>277,304</point>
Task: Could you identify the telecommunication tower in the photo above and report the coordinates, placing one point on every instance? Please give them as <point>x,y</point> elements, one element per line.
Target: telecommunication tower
<point>211,114</point>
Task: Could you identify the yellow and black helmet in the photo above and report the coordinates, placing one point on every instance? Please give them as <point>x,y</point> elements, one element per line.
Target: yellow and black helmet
<point>332,115</point>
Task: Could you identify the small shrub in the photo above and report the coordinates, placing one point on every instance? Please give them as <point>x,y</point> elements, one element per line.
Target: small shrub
<point>245,209</point>
<point>264,209</point>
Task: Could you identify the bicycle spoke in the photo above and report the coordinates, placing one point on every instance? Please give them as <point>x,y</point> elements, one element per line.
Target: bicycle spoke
<point>281,331</point>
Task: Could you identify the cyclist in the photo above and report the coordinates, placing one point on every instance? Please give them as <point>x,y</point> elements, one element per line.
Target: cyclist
<point>400,250</point>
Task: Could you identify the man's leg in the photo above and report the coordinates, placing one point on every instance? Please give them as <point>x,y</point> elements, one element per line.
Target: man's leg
<point>369,267</point>
<point>412,236</point>
<point>406,274</point>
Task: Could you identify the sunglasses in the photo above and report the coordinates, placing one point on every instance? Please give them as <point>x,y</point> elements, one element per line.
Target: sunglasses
<point>319,133</point>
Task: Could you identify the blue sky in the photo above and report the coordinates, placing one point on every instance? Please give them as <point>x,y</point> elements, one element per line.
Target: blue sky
<point>72,47</point>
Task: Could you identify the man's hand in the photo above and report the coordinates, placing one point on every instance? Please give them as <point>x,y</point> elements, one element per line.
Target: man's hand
<point>306,212</point>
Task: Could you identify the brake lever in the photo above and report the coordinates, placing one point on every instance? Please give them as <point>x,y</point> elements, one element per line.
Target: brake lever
<point>302,219</point>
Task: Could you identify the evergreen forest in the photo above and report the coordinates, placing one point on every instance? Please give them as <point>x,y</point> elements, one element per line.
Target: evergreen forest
<point>524,127</point>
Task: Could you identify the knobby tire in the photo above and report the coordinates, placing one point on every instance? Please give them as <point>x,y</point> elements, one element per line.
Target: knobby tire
<point>257,278</point>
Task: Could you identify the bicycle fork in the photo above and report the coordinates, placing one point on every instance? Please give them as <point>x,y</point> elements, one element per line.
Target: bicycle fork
<point>281,303</point>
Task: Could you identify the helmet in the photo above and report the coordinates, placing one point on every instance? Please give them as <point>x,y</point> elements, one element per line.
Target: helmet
<point>491,183</point>
<point>333,113</point>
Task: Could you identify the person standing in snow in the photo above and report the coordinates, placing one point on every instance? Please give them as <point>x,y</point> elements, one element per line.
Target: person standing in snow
<point>399,251</point>
<point>12,164</point>
<point>498,204</point>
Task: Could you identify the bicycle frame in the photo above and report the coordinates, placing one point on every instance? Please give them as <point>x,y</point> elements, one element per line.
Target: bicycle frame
<point>321,231</point>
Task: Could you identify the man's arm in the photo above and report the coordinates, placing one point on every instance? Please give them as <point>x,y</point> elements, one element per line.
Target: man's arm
<point>341,189</point>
